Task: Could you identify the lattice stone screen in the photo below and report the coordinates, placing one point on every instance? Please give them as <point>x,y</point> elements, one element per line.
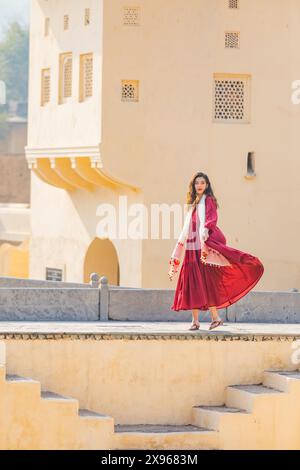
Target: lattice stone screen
<point>45,87</point>
<point>231,98</point>
<point>87,16</point>
<point>130,90</point>
<point>233,3</point>
<point>65,76</point>
<point>66,22</point>
<point>131,16</point>
<point>232,39</point>
<point>86,76</point>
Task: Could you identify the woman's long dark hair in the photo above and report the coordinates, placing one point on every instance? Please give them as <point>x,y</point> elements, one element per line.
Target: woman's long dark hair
<point>192,197</point>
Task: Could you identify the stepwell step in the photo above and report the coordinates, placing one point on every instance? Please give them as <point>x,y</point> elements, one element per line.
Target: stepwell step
<point>18,378</point>
<point>256,389</point>
<point>158,429</point>
<point>294,374</point>
<point>221,409</point>
<point>55,396</point>
<point>83,413</point>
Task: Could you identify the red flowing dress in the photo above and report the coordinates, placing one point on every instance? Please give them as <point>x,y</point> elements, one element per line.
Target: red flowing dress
<point>200,285</point>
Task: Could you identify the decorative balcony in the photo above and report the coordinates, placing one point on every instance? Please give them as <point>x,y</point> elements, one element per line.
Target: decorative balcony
<point>71,169</point>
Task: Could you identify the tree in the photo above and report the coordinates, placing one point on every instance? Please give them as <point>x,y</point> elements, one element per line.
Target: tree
<point>14,51</point>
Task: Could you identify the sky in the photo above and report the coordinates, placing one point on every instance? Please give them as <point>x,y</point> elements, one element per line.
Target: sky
<point>13,10</point>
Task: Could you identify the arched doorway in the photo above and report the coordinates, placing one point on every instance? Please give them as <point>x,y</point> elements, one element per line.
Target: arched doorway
<point>102,258</point>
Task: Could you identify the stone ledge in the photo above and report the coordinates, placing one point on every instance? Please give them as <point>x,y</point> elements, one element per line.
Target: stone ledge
<point>139,337</point>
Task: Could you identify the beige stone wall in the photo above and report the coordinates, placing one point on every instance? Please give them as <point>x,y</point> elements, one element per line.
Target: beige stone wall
<point>169,134</point>
<point>78,123</point>
<point>159,142</point>
<point>145,381</point>
<point>63,228</point>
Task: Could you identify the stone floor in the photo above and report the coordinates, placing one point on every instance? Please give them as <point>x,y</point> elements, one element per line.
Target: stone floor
<point>149,328</point>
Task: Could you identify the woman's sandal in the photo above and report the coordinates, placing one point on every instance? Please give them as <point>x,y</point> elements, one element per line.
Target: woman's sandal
<point>216,323</point>
<point>194,326</point>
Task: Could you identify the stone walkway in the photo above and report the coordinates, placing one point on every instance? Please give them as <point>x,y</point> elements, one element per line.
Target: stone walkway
<point>116,328</point>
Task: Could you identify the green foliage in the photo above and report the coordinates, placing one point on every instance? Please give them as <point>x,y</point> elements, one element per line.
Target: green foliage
<point>14,51</point>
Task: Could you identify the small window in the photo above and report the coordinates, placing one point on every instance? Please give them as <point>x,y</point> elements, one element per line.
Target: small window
<point>46,26</point>
<point>86,76</point>
<point>250,165</point>
<point>130,90</point>
<point>233,3</point>
<point>66,22</point>
<point>131,16</point>
<point>65,77</point>
<point>232,39</point>
<point>87,16</point>
<point>231,98</point>
<point>45,87</point>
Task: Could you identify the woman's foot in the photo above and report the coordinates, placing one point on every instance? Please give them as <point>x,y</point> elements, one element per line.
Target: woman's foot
<point>194,326</point>
<point>215,323</point>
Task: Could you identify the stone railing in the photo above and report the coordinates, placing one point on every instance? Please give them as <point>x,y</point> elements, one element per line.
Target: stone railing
<point>35,300</point>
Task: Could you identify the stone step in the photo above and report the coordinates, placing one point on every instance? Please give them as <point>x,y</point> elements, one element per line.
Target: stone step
<point>281,379</point>
<point>211,417</point>
<point>55,400</point>
<point>96,431</point>
<point>156,428</point>
<point>55,397</point>
<point>67,426</point>
<point>243,396</point>
<point>47,395</point>
<point>23,385</point>
<point>153,436</point>
<point>83,413</point>
<point>17,378</point>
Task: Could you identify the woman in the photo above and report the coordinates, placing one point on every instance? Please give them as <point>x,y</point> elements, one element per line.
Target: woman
<point>213,275</point>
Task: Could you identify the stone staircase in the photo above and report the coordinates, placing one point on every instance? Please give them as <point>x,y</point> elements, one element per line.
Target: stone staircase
<point>254,416</point>
<point>42,420</point>
<point>257,416</point>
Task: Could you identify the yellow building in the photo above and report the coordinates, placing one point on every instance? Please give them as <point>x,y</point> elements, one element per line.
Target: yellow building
<point>132,99</point>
